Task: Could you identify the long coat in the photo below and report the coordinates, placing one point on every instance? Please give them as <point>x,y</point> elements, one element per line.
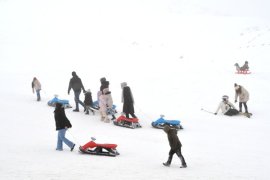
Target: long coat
<point>61,120</point>
<point>127,99</point>
<point>172,137</point>
<point>242,93</point>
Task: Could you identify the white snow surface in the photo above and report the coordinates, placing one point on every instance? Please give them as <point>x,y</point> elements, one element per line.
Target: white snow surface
<point>177,56</point>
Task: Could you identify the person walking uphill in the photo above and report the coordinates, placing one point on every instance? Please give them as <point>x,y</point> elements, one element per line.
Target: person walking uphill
<point>62,124</point>
<point>127,100</point>
<point>243,95</point>
<point>76,84</point>
<point>175,145</point>
<point>36,86</point>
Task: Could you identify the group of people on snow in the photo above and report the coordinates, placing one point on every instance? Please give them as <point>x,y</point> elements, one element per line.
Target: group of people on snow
<point>227,108</point>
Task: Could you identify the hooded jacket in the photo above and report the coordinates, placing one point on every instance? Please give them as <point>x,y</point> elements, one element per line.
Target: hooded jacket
<point>172,137</point>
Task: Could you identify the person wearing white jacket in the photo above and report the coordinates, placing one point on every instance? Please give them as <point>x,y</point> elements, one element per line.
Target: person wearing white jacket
<point>36,86</point>
<point>227,108</point>
<point>243,95</point>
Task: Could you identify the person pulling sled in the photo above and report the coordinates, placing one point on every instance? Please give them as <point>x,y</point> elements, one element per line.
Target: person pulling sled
<point>175,145</point>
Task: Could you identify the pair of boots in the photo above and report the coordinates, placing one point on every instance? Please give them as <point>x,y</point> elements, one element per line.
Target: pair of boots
<point>168,163</point>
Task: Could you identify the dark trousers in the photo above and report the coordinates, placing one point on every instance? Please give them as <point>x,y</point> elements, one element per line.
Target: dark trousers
<point>245,106</point>
<point>179,154</point>
<point>77,99</point>
<point>232,112</point>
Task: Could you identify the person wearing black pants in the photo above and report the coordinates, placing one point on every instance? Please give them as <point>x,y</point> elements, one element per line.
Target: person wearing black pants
<point>175,145</point>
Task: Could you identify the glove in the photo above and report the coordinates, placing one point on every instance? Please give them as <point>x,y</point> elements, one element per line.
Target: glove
<point>215,113</point>
<point>235,101</point>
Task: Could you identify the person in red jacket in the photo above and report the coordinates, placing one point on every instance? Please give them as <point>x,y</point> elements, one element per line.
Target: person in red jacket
<point>175,145</point>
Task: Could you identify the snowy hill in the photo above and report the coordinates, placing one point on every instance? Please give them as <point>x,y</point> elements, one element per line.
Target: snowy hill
<point>177,57</point>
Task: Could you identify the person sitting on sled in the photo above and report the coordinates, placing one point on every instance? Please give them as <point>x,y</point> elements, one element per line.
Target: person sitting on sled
<point>175,145</point>
<point>226,107</point>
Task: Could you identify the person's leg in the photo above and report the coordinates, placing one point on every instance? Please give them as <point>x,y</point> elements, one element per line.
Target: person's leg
<point>76,97</point>
<point>62,134</point>
<point>168,163</point>
<point>38,94</point>
<point>133,115</point>
<point>245,106</point>
<point>59,146</point>
<point>179,154</point>
<point>240,106</point>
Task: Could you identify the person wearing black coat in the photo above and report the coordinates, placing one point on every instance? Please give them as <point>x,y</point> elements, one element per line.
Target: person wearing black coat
<point>62,124</point>
<point>88,102</point>
<point>175,145</point>
<point>127,100</point>
<point>76,84</point>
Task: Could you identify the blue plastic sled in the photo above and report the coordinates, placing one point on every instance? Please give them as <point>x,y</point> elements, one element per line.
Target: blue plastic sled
<point>161,122</point>
<point>61,101</point>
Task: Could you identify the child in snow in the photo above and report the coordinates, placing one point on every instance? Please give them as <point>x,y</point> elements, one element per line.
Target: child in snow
<point>127,100</point>
<point>226,107</point>
<point>62,124</point>
<point>243,95</point>
<point>36,86</point>
<point>88,101</point>
<point>175,145</point>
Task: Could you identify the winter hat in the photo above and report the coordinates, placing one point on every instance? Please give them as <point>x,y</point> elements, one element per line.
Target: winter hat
<point>88,90</point>
<point>74,73</point>
<point>103,79</point>
<point>225,98</point>
<point>123,84</point>
<point>236,86</point>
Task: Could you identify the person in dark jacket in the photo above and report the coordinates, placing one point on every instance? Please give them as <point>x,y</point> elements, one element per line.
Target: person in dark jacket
<point>76,84</point>
<point>62,124</point>
<point>127,100</point>
<point>104,84</point>
<point>175,145</point>
<point>88,102</point>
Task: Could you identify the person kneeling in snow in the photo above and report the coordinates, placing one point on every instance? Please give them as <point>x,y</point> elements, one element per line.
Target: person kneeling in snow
<point>226,107</point>
<point>175,145</point>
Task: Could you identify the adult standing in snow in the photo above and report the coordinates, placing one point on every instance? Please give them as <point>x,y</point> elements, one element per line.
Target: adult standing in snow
<point>104,88</point>
<point>36,86</point>
<point>76,84</point>
<point>175,145</point>
<point>62,124</point>
<point>243,95</point>
<point>226,107</point>
<point>127,100</point>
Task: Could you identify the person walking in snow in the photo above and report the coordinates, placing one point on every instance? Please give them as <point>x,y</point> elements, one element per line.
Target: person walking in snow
<point>36,86</point>
<point>243,95</point>
<point>76,84</point>
<point>88,102</point>
<point>227,108</point>
<point>175,145</point>
<point>62,124</point>
<point>127,100</point>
